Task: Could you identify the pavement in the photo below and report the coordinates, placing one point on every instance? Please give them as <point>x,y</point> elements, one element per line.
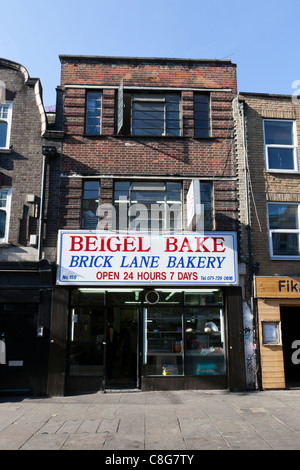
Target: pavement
<point>179,422</point>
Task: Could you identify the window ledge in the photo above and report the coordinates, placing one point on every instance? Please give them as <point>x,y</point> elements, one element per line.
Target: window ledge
<point>2,150</point>
<point>289,172</point>
<point>5,245</point>
<point>152,137</point>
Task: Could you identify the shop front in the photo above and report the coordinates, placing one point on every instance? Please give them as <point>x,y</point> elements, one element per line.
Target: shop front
<point>151,312</point>
<point>278,310</point>
<point>25,321</point>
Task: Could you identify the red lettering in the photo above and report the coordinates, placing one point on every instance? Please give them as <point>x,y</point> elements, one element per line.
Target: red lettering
<point>140,245</point>
<point>128,242</point>
<point>102,243</point>
<point>185,243</point>
<point>200,244</point>
<point>74,242</point>
<point>89,242</point>
<point>118,245</point>
<point>171,242</point>
<point>215,245</point>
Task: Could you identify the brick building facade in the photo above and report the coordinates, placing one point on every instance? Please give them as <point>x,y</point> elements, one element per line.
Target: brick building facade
<point>26,277</point>
<point>266,144</point>
<point>143,131</point>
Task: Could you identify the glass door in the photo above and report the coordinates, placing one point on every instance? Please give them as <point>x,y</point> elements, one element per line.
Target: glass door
<point>122,339</point>
<point>87,334</point>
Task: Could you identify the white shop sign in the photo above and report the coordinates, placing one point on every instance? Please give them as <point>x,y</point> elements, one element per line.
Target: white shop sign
<point>106,258</point>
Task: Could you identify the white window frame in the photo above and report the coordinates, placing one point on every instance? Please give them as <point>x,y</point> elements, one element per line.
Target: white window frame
<point>7,210</point>
<point>99,115</point>
<point>7,120</point>
<point>276,340</point>
<point>294,147</point>
<point>283,230</point>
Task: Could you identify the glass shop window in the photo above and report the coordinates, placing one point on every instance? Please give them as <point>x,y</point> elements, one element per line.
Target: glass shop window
<point>187,340</point>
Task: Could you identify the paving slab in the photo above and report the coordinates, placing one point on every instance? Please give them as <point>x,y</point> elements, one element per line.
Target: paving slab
<point>175,421</point>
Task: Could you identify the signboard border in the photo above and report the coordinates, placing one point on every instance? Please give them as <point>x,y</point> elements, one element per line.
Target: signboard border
<point>70,282</point>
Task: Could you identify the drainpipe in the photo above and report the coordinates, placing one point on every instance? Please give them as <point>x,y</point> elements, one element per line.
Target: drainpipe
<point>41,216</point>
<point>248,227</point>
<point>247,204</point>
<point>47,151</point>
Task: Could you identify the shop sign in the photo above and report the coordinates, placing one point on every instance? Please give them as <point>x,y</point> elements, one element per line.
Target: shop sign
<point>194,210</point>
<point>103,257</point>
<point>277,287</point>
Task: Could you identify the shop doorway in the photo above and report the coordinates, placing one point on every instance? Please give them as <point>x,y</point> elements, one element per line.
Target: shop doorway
<point>122,348</point>
<point>17,348</point>
<point>103,340</point>
<point>290,329</point>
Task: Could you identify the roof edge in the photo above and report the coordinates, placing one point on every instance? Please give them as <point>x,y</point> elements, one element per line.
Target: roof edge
<point>30,81</point>
<point>144,59</point>
<point>264,95</point>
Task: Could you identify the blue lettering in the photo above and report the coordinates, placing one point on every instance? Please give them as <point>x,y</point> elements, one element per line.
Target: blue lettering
<point>154,261</point>
<point>106,263</point>
<point>196,262</point>
<point>172,261</point>
<point>201,262</point>
<point>89,262</point>
<point>74,261</point>
<point>210,261</point>
<point>190,263</point>
<point>220,261</point>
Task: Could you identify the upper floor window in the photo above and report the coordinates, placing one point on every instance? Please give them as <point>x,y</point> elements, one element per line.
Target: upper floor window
<point>280,145</point>
<point>90,202</point>
<point>201,115</point>
<point>149,114</point>
<point>5,124</point>
<point>207,202</point>
<point>156,206</point>
<point>284,230</point>
<point>93,112</point>
<point>143,206</point>
<point>5,199</point>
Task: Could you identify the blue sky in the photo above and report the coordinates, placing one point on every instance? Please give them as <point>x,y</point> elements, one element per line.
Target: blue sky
<point>261,37</point>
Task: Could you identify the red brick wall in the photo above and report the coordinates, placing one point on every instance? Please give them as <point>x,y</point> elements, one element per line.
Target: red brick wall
<point>184,156</point>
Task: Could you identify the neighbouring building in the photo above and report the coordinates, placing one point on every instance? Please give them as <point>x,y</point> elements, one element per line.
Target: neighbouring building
<point>149,286</point>
<point>267,131</point>
<point>26,276</point>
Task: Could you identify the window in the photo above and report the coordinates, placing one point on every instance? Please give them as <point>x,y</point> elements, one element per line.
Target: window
<point>93,112</point>
<point>148,205</point>
<point>90,204</point>
<point>184,334</point>
<point>271,332</point>
<point>5,199</point>
<point>284,230</point>
<point>150,114</point>
<point>201,115</point>
<point>280,145</point>
<point>206,200</point>
<point>5,123</point>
